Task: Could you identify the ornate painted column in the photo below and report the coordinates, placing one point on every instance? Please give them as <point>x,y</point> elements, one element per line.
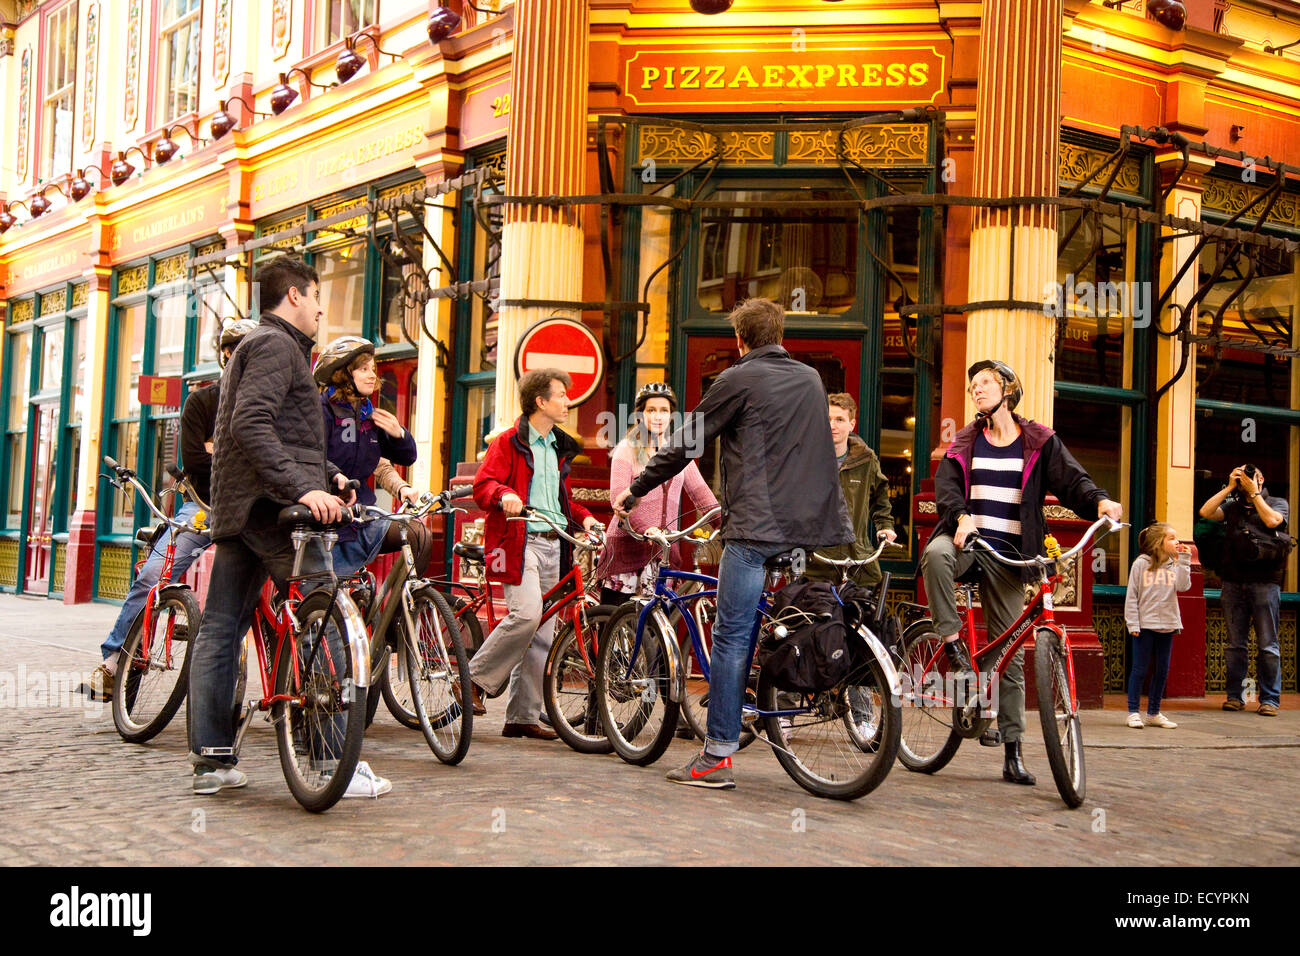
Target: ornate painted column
<point>541,248</point>
<point>1017,134</point>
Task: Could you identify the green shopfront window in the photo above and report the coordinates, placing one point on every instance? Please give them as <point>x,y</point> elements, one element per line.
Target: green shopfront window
<point>18,369</point>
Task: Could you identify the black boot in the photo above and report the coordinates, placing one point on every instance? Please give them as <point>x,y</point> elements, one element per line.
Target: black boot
<point>1013,768</point>
<point>958,656</point>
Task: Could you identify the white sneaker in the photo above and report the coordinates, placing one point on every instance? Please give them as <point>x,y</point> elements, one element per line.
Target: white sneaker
<point>207,780</point>
<point>1135,721</point>
<point>366,783</point>
<point>1160,720</point>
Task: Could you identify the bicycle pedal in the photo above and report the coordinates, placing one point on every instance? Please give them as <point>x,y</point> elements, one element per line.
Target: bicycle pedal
<point>991,738</point>
<point>216,751</point>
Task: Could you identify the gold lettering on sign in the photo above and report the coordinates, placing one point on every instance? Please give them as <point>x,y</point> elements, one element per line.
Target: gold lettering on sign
<point>165,224</point>
<point>273,186</point>
<point>369,152</point>
<point>793,76</point>
<point>501,105</point>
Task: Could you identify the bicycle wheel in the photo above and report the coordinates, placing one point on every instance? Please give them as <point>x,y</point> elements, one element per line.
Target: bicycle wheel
<point>695,705</point>
<point>471,629</point>
<point>394,683</point>
<point>320,723</point>
<point>1062,731</point>
<point>822,751</point>
<point>929,740</point>
<point>569,684</point>
<point>152,683</point>
<point>632,691</point>
<point>438,672</point>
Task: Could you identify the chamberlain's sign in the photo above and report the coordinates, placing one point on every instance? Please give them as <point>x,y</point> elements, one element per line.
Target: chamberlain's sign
<point>794,75</point>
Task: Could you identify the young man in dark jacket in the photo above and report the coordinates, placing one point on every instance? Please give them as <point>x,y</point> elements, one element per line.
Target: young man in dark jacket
<point>992,480</point>
<point>198,420</point>
<point>268,452</point>
<point>526,465</point>
<point>780,490</point>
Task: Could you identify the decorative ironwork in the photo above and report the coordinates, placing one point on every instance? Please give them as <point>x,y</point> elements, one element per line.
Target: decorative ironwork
<point>80,294</point>
<point>288,242</point>
<point>281,11</point>
<point>135,279</point>
<point>672,144</point>
<point>1216,644</point>
<point>91,81</point>
<point>354,226</point>
<point>210,248</point>
<point>54,303</point>
<point>22,311</point>
<point>171,269</point>
<point>591,494</point>
<point>58,574</point>
<point>9,562</point>
<point>1108,622</point>
<point>114,572</point>
<point>24,110</point>
<point>1229,197</point>
<point>221,44</point>
<point>130,101</point>
<point>1077,163</point>
<point>886,146</point>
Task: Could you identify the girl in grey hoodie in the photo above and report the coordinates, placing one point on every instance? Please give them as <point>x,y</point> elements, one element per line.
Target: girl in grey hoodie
<point>1151,613</point>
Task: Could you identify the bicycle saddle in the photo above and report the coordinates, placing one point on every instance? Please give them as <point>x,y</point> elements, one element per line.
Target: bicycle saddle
<point>780,562</point>
<point>470,552</point>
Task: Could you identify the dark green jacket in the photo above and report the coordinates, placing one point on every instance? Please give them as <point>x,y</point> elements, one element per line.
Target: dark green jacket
<point>866,492</point>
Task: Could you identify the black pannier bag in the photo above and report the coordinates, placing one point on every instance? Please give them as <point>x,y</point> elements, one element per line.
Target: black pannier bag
<point>814,655</point>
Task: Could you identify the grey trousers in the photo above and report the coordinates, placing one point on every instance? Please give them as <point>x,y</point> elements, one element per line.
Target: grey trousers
<point>516,649</point>
<point>1002,596</point>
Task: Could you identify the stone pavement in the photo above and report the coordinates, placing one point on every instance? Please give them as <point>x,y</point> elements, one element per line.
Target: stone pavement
<point>1215,791</point>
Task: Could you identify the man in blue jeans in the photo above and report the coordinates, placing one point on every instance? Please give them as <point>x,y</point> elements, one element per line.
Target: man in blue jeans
<point>198,420</point>
<point>1251,583</point>
<point>780,490</point>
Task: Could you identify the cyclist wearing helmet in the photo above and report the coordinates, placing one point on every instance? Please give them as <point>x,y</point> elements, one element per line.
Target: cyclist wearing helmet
<point>992,481</point>
<point>358,437</point>
<point>626,561</point>
<point>198,420</point>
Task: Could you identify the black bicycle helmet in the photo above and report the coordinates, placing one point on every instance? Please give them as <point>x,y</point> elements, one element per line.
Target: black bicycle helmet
<point>654,390</point>
<point>1011,387</point>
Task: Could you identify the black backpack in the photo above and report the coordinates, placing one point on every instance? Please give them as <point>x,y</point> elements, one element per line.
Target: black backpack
<point>1251,542</point>
<point>806,648</point>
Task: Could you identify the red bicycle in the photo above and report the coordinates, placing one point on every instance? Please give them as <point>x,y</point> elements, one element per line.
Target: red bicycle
<point>314,687</point>
<point>941,708</point>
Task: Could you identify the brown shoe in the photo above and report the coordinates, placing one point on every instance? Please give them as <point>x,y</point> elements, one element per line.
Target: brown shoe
<point>479,707</point>
<point>1267,710</point>
<point>1233,704</point>
<point>533,731</point>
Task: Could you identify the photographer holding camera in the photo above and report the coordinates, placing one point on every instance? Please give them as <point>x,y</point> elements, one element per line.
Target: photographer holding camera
<point>1255,552</point>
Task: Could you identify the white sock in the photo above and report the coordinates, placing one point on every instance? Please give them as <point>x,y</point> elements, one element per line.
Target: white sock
<point>110,665</point>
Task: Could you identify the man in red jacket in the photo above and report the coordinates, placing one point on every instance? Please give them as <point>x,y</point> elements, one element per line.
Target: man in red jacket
<point>526,465</point>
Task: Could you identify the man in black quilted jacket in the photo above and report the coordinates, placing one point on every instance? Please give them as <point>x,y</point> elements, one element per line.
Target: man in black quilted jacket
<point>268,452</point>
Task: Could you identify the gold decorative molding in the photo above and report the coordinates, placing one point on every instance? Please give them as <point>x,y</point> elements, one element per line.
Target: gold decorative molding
<point>927,508</point>
<point>591,494</point>
<point>114,572</point>
<point>22,311</point>
<point>356,224</point>
<point>886,146</point>
<point>210,248</point>
<point>135,279</point>
<point>80,294</point>
<point>1076,163</point>
<point>667,144</point>
<point>9,562</point>
<point>59,574</point>
<point>1229,197</point>
<point>54,303</point>
<point>283,225</point>
<point>171,269</point>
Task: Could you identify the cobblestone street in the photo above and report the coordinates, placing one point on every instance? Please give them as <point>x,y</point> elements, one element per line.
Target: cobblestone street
<point>72,793</point>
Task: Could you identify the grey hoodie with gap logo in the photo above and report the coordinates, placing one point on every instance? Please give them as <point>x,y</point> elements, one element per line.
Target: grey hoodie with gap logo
<point>1152,600</point>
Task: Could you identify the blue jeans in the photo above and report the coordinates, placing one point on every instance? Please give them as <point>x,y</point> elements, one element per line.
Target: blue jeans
<point>740,585</point>
<point>189,546</point>
<point>1149,648</point>
<point>1243,603</point>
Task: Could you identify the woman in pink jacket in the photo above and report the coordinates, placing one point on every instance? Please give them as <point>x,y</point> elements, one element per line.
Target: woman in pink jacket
<point>627,563</point>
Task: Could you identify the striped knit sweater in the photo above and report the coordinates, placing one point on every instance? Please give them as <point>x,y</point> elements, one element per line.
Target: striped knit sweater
<point>995,492</point>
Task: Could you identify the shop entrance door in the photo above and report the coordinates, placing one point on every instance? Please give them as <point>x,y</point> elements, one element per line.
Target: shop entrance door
<point>39,521</point>
<point>838,362</point>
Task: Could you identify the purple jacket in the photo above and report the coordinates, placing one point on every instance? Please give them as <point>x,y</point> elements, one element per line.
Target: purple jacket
<point>355,446</point>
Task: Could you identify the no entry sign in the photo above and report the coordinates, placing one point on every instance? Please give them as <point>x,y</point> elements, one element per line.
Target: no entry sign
<point>565,344</point>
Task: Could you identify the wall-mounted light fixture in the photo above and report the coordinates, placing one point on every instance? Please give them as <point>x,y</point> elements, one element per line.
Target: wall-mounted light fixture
<point>1168,13</point>
<point>350,62</point>
<point>165,150</point>
<point>283,95</point>
<point>222,122</point>
<point>122,169</point>
<point>444,21</point>
<point>79,187</point>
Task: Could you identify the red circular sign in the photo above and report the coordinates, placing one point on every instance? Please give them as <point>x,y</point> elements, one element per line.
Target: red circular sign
<point>565,344</point>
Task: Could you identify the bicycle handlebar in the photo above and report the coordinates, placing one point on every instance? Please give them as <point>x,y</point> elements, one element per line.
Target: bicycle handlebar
<point>126,474</point>
<point>1042,561</point>
<point>532,514</point>
<point>859,562</point>
<point>668,539</point>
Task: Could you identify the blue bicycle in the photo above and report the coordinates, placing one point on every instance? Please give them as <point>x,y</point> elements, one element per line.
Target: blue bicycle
<point>818,738</point>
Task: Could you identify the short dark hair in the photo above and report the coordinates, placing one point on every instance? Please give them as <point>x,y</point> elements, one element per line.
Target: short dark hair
<point>274,280</point>
<point>845,401</point>
<point>758,322</point>
<point>537,384</point>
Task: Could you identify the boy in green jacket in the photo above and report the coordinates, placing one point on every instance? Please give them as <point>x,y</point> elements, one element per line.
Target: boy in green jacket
<point>866,492</point>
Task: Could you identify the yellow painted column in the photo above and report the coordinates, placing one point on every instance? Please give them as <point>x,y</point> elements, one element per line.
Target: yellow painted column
<point>96,320</point>
<point>1175,437</point>
<point>1013,251</point>
<point>542,248</point>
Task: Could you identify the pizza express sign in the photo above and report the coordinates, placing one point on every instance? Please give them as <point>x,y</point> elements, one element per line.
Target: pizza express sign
<point>788,77</point>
